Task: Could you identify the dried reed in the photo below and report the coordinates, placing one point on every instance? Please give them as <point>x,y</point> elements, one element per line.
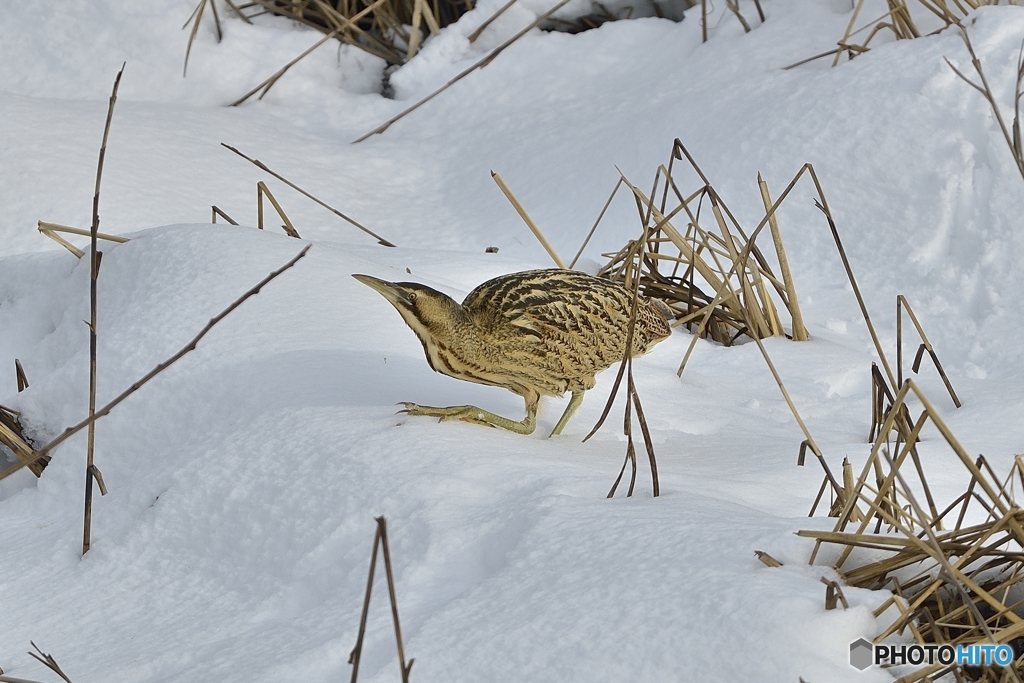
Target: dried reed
<point>521,210</point>
<point>91,471</point>
<point>1011,136</point>
<point>380,542</point>
<point>51,230</point>
<point>48,661</point>
<point>951,568</point>
<point>259,164</point>
<point>43,453</point>
<point>899,21</point>
<point>478,65</point>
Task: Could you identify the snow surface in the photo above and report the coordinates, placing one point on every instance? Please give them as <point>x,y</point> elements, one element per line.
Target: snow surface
<point>234,542</point>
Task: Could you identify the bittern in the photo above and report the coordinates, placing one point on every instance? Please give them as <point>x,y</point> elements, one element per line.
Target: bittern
<point>536,333</point>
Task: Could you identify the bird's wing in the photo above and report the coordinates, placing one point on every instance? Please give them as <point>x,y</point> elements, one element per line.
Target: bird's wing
<point>555,304</point>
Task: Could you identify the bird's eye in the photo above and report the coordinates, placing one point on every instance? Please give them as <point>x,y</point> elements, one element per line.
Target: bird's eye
<point>412,297</point>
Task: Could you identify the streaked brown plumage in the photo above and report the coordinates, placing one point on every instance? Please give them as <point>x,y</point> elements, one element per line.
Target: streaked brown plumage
<point>536,333</point>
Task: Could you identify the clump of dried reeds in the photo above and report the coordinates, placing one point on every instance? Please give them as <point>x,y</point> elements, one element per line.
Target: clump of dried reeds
<point>899,21</point>
<point>952,566</point>
<point>715,279</point>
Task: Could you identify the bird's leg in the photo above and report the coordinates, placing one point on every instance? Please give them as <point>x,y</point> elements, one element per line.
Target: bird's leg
<point>479,416</point>
<point>570,410</point>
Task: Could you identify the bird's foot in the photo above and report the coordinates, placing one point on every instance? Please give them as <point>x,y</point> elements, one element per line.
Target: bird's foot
<point>471,414</point>
<point>464,413</point>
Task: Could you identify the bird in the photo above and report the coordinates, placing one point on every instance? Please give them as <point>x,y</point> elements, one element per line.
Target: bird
<point>536,333</point>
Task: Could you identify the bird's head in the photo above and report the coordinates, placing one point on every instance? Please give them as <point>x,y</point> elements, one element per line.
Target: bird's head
<point>427,311</point>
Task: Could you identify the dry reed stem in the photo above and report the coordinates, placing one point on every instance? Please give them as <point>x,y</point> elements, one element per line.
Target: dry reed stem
<point>12,679</point>
<point>632,398</point>
<point>215,211</point>
<point>237,11</point>
<point>478,65</point>
<point>482,27</point>
<point>94,270</point>
<point>799,330</point>
<point>263,191</point>
<point>380,542</point>
<point>767,559</point>
<point>823,206</point>
<point>43,452</point>
<point>521,210</point>
<point>19,373</point>
<point>16,443</point>
<point>972,563</point>
<point>903,304</point>
<point>48,661</point>
<point>51,230</point>
<point>197,14</point>
<point>590,234</point>
<point>259,164</point>
<point>267,84</point>
<point>1013,141</point>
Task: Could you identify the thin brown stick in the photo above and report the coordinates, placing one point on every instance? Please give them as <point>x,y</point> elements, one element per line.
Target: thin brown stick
<point>197,13</point>
<point>1012,140</point>
<point>267,84</point>
<point>237,11</point>
<point>259,164</point>
<point>263,191</point>
<point>590,234</point>
<point>534,228</point>
<point>357,651</point>
<point>94,271</point>
<point>799,331</point>
<point>48,661</point>
<point>480,29</point>
<point>703,21</point>
<point>19,373</point>
<point>380,542</point>
<point>12,679</point>
<point>382,525</point>
<point>215,211</point>
<point>71,431</point>
<point>478,65</point>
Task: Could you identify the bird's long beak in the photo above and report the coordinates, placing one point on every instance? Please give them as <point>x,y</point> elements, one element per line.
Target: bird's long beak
<point>390,291</point>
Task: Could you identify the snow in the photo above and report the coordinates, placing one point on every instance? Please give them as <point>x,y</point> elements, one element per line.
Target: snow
<point>235,539</point>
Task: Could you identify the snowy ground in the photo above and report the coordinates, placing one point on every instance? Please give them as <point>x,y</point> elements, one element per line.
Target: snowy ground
<point>234,542</point>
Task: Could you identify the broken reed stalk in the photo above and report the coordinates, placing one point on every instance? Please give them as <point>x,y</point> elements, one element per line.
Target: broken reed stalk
<point>380,541</point>
<point>263,191</point>
<point>19,373</point>
<point>94,271</point>
<point>12,679</point>
<point>259,164</point>
<point>50,230</point>
<point>216,211</point>
<point>267,84</point>
<point>482,27</point>
<point>478,65</point>
<point>626,367</point>
<point>48,661</point>
<point>197,15</point>
<point>901,305</point>
<point>521,210</point>
<point>823,207</point>
<point>71,431</point>
<point>799,331</point>
<point>1013,140</point>
<point>593,228</point>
